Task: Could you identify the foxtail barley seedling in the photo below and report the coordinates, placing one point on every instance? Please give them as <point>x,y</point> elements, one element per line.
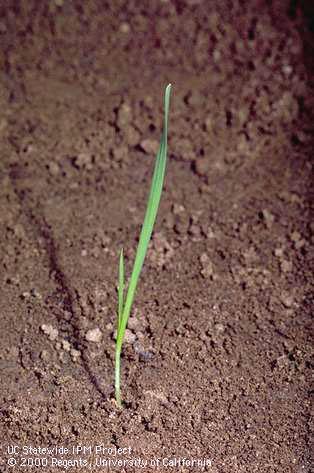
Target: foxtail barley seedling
<point>125,304</point>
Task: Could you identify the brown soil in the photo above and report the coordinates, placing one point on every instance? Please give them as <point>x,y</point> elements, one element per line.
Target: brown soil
<point>217,363</point>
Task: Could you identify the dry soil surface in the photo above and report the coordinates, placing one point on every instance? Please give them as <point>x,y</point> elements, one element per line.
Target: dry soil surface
<point>216,365</point>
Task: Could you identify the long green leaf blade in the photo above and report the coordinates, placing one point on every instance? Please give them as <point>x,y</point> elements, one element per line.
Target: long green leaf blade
<point>120,288</point>
<point>150,216</point>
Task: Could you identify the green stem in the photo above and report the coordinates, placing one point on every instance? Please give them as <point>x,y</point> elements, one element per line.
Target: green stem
<point>117,375</point>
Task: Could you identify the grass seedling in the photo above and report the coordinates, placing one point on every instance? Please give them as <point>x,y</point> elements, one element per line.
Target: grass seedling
<point>125,305</point>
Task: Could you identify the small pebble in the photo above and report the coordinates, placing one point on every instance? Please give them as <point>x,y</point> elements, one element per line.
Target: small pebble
<point>140,335</point>
<point>216,55</point>
<point>282,361</point>
<point>286,266</point>
<point>134,323</point>
<point>268,217</point>
<point>124,115</point>
<point>66,345</point>
<point>62,357</point>
<point>195,232</point>
<point>94,335</point>
<point>44,355</point>
<point>158,396</point>
<point>144,355</point>
<point>209,233</point>
<point>201,166</point>
<point>120,153</point>
<point>287,70</point>
<point>132,135</point>
<point>53,168</point>
<point>129,337</point>
<point>181,225</point>
<point>204,259</point>
<point>219,328</point>
<point>278,252</point>
<point>75,354</point>
<point>299,244</point>
<point>207,270</point>
<point>295,236</point>
<point>195,98</point>
<point>178,209</point>
<point>50,331</point>
<point>149,146</point>
<point>36,293</point>
<point>83,160</point>
<point>125,28</point>
<point>287,299</point>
